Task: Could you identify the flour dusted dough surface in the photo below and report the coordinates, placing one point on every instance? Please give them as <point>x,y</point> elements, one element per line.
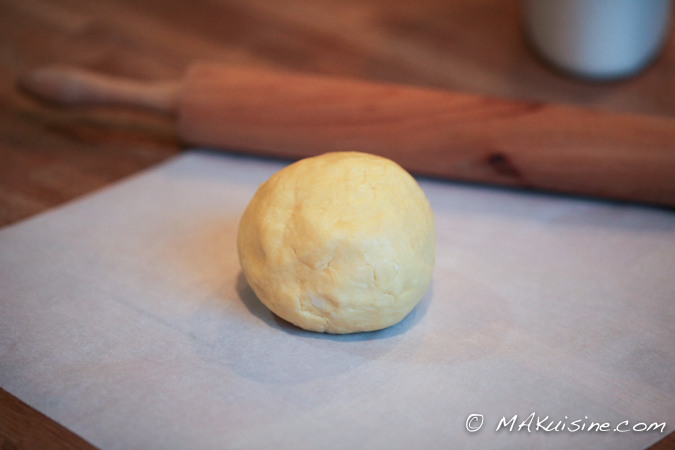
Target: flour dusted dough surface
<point>339,243</point>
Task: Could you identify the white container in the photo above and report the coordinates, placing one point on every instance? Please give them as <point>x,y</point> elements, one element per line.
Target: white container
<point>603,39</point>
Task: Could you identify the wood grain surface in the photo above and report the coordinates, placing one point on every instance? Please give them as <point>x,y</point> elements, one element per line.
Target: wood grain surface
<point>50,155</point>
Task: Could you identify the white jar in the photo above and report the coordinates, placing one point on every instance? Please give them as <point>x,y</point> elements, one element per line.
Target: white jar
<point>604,39</point>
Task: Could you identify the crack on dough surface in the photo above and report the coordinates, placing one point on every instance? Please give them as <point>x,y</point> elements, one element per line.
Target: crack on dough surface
<point>377,286</point>
<point>326,266</point>
<point>314,312</point>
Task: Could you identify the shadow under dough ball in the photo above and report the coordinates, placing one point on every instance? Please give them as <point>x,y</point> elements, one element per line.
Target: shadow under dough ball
<point>339,243</point>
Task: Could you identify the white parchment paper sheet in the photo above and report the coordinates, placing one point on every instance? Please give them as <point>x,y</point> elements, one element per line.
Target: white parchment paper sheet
<point>125,317</point>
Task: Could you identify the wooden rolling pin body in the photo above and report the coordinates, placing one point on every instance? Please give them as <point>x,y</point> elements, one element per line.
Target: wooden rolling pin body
<point>429,132</point>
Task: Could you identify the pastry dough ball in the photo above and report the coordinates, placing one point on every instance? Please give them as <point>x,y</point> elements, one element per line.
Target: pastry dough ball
<point>339,243</point>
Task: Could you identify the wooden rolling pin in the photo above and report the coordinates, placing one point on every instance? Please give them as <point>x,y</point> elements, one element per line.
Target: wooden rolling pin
<point>429,132</point>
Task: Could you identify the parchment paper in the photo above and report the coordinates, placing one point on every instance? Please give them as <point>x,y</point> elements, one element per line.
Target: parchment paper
<point>125,317</point>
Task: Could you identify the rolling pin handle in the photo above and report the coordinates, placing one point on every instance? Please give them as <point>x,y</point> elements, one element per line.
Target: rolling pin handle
<point>68,86</point>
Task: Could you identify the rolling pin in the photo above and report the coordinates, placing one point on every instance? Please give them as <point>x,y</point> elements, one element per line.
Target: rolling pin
<point>429,132</point>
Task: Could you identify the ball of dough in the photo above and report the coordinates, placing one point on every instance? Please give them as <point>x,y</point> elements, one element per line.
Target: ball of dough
<point>339,243</point>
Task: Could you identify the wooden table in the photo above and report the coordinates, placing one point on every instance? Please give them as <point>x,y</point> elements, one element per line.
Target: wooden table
<point>49,155</point>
